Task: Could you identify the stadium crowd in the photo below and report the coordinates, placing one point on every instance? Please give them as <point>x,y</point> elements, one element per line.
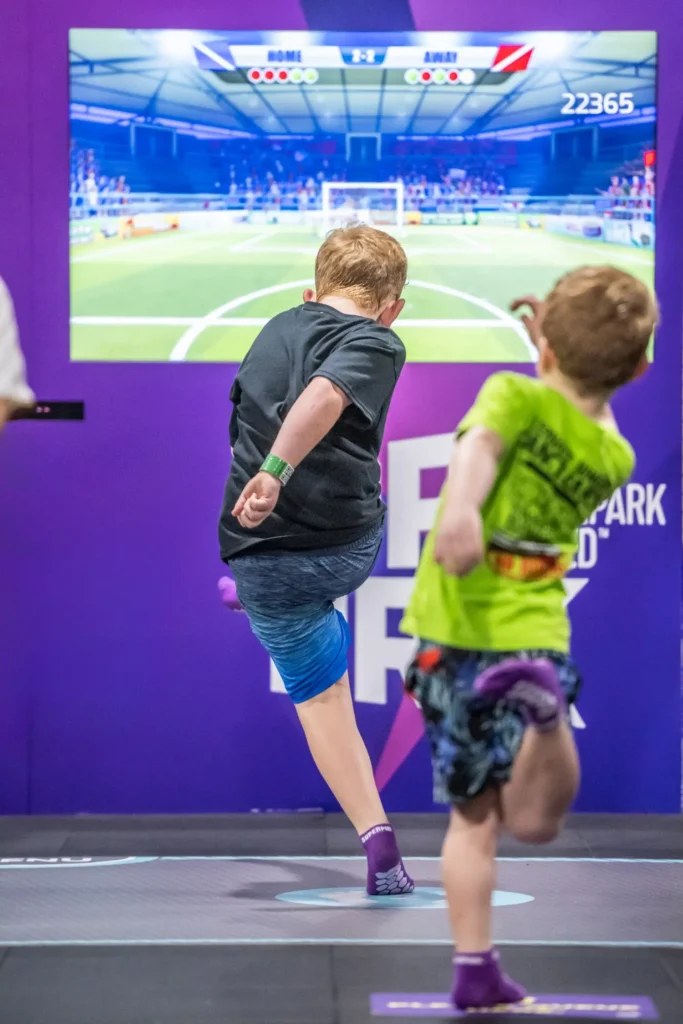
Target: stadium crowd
<point>282,174</point>
<point>288,173</point>
<point>636,186</point>
<point>632,196</point>
<point>424,181</point>
<point>89,187</point>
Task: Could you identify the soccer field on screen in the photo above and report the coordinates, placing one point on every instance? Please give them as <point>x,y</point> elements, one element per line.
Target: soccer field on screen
<point>185,296</point>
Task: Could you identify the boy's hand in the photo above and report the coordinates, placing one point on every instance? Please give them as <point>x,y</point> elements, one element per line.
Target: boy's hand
<point>459,545</point>
<point>257,500</point>
<point>533,323</point>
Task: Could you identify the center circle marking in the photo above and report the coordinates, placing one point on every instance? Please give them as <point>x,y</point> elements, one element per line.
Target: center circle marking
<point>424,898</point>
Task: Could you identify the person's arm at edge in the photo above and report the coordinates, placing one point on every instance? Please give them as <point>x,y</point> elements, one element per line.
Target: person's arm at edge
<point>14,391</point>
<point>5,412</point>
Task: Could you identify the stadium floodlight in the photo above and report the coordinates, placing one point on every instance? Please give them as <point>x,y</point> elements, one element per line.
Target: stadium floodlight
<point>177,44</point>
<point>550,46</point>
<point>378,203</point>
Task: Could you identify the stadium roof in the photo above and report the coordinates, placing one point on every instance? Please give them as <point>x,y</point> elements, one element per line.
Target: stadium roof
<point>121,75</point>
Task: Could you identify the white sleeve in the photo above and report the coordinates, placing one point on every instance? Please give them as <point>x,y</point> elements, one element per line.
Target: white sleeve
<point>13,384</point>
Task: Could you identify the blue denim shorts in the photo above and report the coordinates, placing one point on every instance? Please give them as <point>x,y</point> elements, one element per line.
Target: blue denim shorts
<point>288,597</point>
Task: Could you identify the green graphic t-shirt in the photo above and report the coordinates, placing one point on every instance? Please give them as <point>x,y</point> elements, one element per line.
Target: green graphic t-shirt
<point>558,466</point>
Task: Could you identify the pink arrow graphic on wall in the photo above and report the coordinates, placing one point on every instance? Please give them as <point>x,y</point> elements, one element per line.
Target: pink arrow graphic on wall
<point>406,733</point>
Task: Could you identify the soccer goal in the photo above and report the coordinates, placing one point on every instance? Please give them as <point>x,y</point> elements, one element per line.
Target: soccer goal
<point>378,203</point>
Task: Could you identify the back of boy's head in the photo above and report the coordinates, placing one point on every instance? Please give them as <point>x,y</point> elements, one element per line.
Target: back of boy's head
<point>598,323</point>
<point>365,265</point>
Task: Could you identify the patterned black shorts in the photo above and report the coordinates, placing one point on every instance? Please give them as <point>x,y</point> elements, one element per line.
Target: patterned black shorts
<point>474,743</point>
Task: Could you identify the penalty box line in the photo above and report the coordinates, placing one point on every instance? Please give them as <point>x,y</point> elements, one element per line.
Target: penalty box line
<point>185,342</point>
<point>195,326</point>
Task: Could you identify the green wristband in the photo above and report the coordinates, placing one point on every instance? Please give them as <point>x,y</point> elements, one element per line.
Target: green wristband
<point>278,468</point>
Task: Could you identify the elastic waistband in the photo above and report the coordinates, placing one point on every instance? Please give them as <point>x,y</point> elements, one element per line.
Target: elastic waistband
<point>374,533</point>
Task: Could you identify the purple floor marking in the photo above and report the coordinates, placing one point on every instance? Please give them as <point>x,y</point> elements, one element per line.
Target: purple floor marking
<point>564,1007</point>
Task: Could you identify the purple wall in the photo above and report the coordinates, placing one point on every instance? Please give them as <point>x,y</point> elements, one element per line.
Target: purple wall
<point>122,681</point>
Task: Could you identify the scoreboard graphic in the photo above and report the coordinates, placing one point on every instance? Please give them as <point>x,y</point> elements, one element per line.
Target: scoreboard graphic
<point>453,61</point>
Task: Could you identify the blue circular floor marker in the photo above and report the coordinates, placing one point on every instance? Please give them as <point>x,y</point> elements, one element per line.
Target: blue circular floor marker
<point>424,898</point>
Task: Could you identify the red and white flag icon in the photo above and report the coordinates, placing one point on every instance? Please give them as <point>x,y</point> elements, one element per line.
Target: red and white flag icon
<point>512,58</point>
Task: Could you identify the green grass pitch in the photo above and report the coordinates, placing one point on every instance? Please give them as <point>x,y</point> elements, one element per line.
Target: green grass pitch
<point>185,296</point>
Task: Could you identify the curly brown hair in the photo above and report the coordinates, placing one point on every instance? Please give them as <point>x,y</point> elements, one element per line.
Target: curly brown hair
<point>598,321</point>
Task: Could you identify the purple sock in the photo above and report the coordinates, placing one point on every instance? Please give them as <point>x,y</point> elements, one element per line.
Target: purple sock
<point>533,684</point>
<point>228,592</point>
<point>480,982</point>
<point>386,874</point>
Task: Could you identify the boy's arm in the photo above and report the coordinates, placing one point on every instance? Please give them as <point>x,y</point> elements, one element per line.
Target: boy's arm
<point>363,373</point>
<point>503,410</point>
<point>312,416</point>
<point>459,542</point>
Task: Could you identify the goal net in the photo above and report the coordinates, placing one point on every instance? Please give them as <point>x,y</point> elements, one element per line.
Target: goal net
<point>345,203</point>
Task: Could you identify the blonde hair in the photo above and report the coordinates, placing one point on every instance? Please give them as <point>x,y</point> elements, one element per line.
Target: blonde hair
<point>598,321</point>
<point>364,264</point>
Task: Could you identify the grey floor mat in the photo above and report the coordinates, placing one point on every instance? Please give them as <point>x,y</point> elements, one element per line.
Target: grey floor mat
<point>292,984</point>
<point>214,900</point>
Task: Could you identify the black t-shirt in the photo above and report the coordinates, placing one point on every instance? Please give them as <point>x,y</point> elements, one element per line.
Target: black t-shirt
<point>334,496</point>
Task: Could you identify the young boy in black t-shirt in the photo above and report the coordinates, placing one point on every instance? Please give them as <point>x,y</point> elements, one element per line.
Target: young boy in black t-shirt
<point>302,517</point>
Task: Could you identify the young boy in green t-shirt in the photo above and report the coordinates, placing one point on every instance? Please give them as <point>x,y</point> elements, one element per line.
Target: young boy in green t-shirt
<point>532,461</point>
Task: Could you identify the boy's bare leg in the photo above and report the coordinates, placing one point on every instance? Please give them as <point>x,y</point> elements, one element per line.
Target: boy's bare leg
<point>337,747</point>
<point>329,722</point>
<point>544,783</point>
<point>469,871</point>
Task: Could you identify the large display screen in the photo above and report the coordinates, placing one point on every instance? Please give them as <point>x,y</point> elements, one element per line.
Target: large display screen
<point>206,167</point>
